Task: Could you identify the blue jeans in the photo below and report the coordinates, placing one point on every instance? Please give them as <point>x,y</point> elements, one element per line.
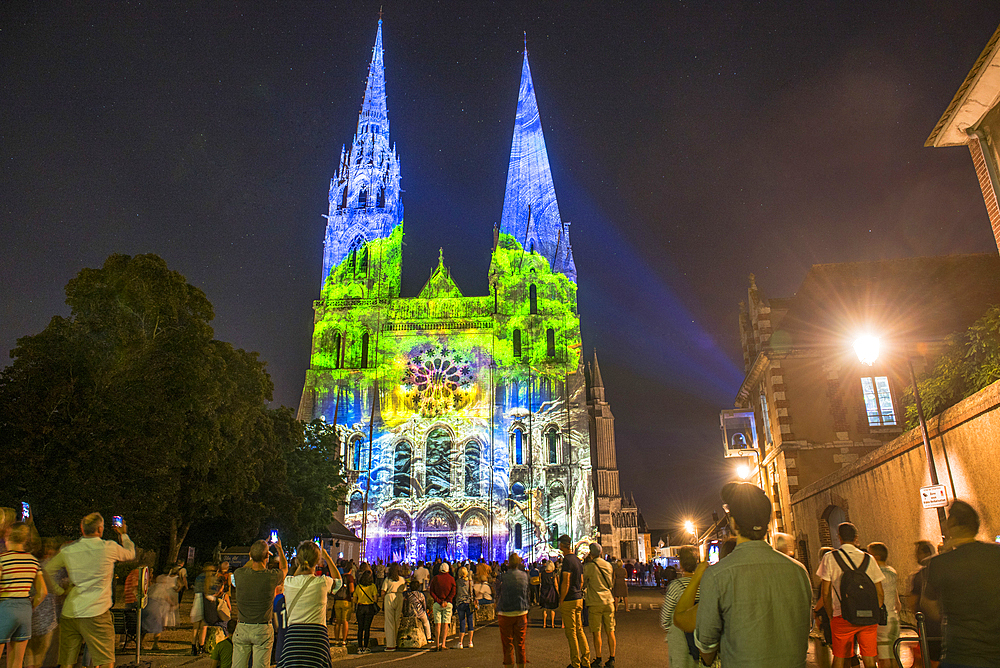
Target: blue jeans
<point>465,617</point>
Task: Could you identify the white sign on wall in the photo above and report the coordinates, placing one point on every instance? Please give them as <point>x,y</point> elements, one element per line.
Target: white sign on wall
<point>934,496</point>
<point>739,432</point>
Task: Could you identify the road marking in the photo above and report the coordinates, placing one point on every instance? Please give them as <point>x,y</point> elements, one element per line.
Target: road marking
<point>399,658</point>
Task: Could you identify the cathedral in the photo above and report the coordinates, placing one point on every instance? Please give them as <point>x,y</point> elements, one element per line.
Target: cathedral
<point>467,426</point>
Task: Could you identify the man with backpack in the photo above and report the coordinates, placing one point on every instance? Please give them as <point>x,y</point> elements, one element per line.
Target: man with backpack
<point>853,597</point>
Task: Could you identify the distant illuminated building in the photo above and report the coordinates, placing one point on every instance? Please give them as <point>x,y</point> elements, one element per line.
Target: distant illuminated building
<point>477,406</point>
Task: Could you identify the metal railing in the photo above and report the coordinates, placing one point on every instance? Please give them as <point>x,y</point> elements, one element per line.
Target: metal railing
<point>921,638</point>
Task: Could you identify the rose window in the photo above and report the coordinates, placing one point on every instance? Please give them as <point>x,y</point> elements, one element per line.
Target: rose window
<point>437,380</point>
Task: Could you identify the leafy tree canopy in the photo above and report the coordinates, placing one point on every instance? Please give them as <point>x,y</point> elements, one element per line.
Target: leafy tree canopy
<point>131,407</point>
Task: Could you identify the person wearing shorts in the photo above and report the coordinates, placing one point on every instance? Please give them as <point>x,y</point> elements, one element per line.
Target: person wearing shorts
<point>19,570</point>
<point>844,632</point>
<point>86,614</point>
<point>443,592</point>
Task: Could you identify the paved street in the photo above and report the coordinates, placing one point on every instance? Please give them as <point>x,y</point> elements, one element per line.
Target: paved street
<point>640,644</point>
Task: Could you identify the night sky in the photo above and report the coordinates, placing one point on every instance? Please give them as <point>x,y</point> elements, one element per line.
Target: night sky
<point>691,144</point>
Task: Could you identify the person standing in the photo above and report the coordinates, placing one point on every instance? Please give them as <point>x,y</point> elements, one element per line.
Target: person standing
<point>422,575</point>
<point>754,606</point>
<point>365,606</point>
<point>621,584</point>
<point>964,580</point>
<point>597,580</point>
<point>307,643</point>
<point>19,572</point>
<point>888,632</point>
<point>918,601</point>
<point>255,586</point>
<point>832,572</point>
<point>571,605</point>
<point>535,581</point>
<point>393,592</point>
<point>464,607</point>
<point>343,598</point>
<point>512,603</point>
<point>677,645</point>
<point>86,613</point>
<point>443,592</point>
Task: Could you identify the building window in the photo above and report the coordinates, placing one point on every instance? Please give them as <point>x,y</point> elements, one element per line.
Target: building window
<point>357,501</point>
<point>517,343</point>
<point>363,265</point>
<point>472,466</point>
<point>364,351</point>
<point>336,350</point>
<point>550,342</point>
<point>517,536</point>
<point>356,452</point>
<point>533,299</point>
<point>765,414</point>
<point>554,534</point>
<point>363,198</point>
<point>551,440</point>
<point>878,401</point>
<point>517,445</point>
<point>401,470</point>
<point>438,463</point>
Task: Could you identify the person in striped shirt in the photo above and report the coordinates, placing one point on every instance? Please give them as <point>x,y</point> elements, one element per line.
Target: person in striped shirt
<point>19,570</point>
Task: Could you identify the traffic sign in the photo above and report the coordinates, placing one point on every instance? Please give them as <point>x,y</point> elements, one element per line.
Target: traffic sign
<point>934,496</point>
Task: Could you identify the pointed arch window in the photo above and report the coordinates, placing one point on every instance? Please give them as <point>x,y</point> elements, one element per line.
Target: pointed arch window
<point>533,299</point>
<point>380,198</point>
<point>363,198</point>
<point>357,502</point>
<point>364,351</point>
<point>343,199</point>
<point>517,343</point>
<point>498,394</point>
<point>550,342</point>
<point>552,445</point>
<point>356,449</point>
<point>438,481</point>
<point>518,538</point>
<point>473,464</point>
<point>401,466</point>
<point>517,445</point>
<point>336,350</point>
<point>363,264</point>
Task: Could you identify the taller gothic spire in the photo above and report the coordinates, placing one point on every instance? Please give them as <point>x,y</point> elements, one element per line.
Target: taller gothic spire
<point>530,210</point>
<point>365,202</point>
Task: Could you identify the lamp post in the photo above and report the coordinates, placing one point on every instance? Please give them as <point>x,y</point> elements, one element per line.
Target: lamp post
<point>867,348</point>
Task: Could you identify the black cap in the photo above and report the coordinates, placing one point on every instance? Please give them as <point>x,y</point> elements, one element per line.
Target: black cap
<point>565,540</point>
<point>748,505</point>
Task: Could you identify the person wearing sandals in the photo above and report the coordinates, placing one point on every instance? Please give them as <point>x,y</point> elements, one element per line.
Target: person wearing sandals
<point>306,643</point>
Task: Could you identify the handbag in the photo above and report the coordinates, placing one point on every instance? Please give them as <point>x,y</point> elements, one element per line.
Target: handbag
<point>223,609</point>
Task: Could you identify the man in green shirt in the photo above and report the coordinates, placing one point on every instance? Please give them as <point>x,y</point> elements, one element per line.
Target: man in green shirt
<point>222,653</point>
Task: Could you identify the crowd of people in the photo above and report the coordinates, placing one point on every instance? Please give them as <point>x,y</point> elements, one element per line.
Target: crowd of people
<point>754,607</point>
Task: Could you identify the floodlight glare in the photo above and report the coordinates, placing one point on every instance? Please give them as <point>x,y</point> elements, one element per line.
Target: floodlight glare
<point>867,349</point>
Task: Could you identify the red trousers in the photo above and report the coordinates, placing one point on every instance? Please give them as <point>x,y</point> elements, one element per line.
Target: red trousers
<point>513,635</point>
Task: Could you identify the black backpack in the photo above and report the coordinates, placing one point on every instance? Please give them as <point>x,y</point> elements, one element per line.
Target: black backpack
<point>858,597</point>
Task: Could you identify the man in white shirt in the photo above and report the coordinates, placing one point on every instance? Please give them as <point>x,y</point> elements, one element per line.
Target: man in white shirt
<point>86,614</point>
<point>830,572</point>
<point>422,575</point>
<point>888,633</point>
<point>598,575</point>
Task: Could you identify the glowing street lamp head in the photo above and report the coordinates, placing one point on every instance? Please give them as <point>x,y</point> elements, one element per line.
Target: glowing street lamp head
<point>743,471</point>
<point>689,526</point>
<point>867,349</point>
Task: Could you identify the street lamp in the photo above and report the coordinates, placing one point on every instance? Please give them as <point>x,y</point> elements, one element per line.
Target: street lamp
<point>689,527</point>
<point>867,348</point>
<point>743,471</point>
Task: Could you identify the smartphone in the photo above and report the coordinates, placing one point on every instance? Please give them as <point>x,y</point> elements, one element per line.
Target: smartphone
<point>116,520</point>
<point>232,579</point>
<point>713,553</point>
<point>274,537</point>
<point>25,511</point>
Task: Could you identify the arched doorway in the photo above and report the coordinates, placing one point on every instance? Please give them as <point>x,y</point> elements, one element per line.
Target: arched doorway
<point>833,517</point>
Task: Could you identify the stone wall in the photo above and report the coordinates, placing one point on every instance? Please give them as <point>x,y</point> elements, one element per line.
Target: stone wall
<point>880,492</point>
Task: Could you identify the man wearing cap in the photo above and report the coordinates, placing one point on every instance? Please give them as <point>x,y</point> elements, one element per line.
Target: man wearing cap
<point>571,605</point>
<point>755,604</point>
<point>597,578</point>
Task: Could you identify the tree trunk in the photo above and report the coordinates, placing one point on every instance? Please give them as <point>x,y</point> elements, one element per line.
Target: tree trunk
<point>177,536</point>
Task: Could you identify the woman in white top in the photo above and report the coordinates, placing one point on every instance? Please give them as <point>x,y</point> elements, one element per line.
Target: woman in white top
<point>393,587</point>
<point>306,643</point>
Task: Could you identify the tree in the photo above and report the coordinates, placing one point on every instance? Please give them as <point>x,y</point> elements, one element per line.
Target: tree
<point>315,479</point>
<point>130,406</point>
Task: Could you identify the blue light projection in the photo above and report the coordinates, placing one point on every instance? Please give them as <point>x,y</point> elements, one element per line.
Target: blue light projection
<point>476,406</point>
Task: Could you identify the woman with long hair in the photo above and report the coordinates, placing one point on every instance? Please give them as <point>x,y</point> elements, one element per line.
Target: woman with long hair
<point>365,606</point>
<point>393,590</point>
<point>307,643</point>
<point>548,594</point>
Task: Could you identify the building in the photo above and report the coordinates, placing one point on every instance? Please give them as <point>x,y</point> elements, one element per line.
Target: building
<point>817,408</point>
<point>973,119</point>
<point>463,419</point>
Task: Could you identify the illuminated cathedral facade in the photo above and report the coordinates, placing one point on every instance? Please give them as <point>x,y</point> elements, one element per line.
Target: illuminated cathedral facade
<point>463,420</point>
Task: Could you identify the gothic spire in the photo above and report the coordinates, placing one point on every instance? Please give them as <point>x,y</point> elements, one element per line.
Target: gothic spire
<point>596,382</point>
<point>530,210</point>
<point>373,116</point>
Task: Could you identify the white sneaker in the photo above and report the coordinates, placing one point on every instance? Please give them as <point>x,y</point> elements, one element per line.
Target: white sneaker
<point>459,646</point>
<point>470,644</point>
